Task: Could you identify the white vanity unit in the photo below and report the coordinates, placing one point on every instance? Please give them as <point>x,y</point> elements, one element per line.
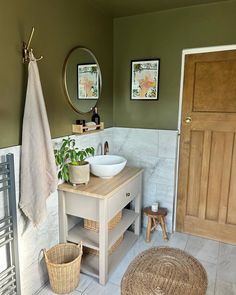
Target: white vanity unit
<point>100,201</point>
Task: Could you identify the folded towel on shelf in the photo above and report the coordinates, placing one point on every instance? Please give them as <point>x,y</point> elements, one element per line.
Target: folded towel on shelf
<point>91,125</point>
<point>38,167</point>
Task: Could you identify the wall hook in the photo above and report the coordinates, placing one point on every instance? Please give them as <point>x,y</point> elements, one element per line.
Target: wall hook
<point>27,50</point>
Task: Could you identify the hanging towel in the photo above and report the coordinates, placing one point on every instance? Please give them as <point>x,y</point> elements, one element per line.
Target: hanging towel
<point>38,167</point>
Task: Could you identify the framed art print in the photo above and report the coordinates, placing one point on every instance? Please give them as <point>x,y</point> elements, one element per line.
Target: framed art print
<point>88,81</point>
<point>145,79</point>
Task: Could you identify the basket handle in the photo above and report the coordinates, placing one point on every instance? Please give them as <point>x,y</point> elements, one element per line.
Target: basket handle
<point>80,245</point>
<point>45,254</point>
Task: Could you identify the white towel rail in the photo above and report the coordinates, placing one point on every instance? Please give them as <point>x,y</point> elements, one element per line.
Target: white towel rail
<point>9,286</point>
<point>3,273</point>
<point>10,277</point>
<point>5,227</point>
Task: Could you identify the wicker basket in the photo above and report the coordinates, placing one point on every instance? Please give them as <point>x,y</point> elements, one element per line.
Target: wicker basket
<point>63,264</point>
<point>94,225</point>
<point>110,251</point>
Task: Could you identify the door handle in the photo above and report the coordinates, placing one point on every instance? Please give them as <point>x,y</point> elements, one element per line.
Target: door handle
<point>188,120</point>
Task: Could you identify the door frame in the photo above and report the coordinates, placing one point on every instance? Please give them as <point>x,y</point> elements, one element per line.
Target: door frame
<point>184,53</point>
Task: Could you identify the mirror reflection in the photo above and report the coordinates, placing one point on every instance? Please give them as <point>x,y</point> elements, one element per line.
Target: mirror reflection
<point>82,79</point>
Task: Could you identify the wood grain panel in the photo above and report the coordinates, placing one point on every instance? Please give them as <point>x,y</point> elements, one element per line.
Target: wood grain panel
<point>195,167</point>
<point>205,173</point>
<point>215,86</point>
<point>103,188</point>
<point>215,176</point>
<point>214,125</point>
<point>208,228</point>
<point>226,176</point>
<point>231,214</point>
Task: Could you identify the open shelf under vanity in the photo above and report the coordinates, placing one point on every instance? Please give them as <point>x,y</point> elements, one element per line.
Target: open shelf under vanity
<point>100,201</point>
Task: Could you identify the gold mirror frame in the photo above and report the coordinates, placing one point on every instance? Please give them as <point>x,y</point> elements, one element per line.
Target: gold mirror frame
<point>75,108</point>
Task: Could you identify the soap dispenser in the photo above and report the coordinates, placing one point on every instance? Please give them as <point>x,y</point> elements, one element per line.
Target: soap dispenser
<point>95,117</point>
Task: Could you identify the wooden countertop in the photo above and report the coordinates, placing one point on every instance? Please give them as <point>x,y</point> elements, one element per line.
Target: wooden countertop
<point>103,188</point>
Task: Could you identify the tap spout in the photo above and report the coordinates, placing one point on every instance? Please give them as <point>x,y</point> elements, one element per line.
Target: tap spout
<point>106,147</point>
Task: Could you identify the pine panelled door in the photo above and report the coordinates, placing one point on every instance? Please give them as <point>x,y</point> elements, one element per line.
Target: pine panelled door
<point>206,204</point>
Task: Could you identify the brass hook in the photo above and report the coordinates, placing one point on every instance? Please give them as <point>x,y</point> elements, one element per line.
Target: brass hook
<point>37,59</point>
<point>26,50</point>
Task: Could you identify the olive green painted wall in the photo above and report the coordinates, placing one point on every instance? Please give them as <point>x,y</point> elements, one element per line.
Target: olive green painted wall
<point>164,35</point>
<point>59,26</point>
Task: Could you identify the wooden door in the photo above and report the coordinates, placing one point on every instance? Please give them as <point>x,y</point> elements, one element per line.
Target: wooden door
<point>206,204</point>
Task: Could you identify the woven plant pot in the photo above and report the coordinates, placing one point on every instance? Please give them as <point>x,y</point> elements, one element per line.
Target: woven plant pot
<point>63,265</point>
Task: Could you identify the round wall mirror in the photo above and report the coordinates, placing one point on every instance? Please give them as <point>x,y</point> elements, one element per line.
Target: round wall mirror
<point>82,79</point>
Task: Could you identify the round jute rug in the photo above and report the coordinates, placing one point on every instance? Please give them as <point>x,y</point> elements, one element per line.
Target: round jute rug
<point>164,271</point>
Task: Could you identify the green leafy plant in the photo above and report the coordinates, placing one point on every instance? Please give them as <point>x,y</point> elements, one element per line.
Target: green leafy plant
<point>70,154</point>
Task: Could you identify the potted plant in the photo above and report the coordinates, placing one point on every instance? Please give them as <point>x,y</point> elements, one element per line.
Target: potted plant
<point>71,162</point>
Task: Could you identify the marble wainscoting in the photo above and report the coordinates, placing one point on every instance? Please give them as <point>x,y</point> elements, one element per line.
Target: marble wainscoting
<point>156,152</point>
<point>153,150</point>
<point>95,140</point>
<point>30,239</point>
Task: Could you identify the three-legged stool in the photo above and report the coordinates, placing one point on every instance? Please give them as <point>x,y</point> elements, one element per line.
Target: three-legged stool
<point>153,219</point>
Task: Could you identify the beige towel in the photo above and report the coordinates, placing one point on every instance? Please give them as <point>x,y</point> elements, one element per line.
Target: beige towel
<point>38,168</point>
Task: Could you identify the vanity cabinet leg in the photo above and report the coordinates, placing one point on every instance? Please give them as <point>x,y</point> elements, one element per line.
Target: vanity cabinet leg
<point>103,242</point>
<point>63,227</point>
<point>137,224</point>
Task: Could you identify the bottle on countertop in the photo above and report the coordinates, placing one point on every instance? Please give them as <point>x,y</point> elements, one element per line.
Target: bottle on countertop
<point>95,117</point>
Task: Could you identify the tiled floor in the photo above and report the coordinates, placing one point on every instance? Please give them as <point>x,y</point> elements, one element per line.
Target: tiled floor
<point>219,260</point>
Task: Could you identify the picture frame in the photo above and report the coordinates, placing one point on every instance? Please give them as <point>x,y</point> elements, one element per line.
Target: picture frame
<point>145,79</point>
<point>88,81</point>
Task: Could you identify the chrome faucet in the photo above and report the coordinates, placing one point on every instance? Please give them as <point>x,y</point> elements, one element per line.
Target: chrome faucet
<point>106,148</point>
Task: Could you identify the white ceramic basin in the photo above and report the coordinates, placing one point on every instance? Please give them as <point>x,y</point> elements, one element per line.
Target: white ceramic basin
<point>106,166</point>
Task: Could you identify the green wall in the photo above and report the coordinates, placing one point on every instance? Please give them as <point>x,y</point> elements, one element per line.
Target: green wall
<point>164,35</point>
<point>59,26</point>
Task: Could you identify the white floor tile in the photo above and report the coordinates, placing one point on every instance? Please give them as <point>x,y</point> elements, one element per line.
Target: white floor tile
<point>138,247</point>
<point>227,249</point>
<point>203,249</point>
<point>226,269</point>
<point>84,282</point>
<point>218,259</point>
<point>211,276</point>
<point>225,288</point>
<point>176,240</point>
<point>97,289</point>
<point>117,275</point>
<point>48,291</point>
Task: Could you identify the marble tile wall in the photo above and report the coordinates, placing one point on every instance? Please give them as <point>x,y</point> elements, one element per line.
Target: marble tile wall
<point>31,240</point>
<point>154,150</point>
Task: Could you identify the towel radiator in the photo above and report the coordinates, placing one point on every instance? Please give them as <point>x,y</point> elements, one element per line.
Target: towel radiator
<point>10,276</point>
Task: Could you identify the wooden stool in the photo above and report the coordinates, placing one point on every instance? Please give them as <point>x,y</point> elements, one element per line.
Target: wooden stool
<point>153,219</point>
